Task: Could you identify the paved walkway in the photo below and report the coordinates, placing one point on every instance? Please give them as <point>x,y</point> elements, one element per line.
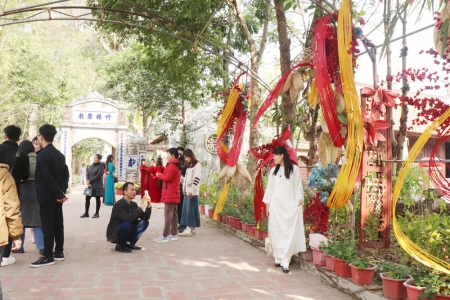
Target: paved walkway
<point>211,265</point>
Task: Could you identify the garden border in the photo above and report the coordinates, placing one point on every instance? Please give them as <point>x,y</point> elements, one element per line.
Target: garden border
<point>372,292</point>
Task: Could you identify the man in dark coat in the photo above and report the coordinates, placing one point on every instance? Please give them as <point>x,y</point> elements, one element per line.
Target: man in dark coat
<point>51,179</point>
<point>19,165</point>
<point>128,221</point>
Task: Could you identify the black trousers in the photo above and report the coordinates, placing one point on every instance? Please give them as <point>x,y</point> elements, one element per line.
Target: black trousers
<point>88,203</point>
<point>52,227</point>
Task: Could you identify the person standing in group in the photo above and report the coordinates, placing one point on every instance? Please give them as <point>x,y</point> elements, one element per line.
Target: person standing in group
<point>83,171</point>
<point>110,197</point>
<point>155,188</point>
<point>190,218</point>
<point>170,196</point>
<point>152,163</point>
<point>144,177</point>
<point>52,179</point>
<point>284,200</point>
<point>29,206</point>
<point>10,221</point>
<point>183,167</point>
<point>19,168</point>
<point>95,183</point>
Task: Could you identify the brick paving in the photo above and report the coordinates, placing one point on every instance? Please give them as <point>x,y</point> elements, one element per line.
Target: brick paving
<point>211,265</point>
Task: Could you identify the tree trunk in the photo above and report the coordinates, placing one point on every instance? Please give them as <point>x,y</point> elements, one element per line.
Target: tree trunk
<point>287,104</point>
<point>313,143</point>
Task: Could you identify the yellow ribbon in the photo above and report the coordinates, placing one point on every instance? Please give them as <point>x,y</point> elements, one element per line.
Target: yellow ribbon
<point>221,202</point>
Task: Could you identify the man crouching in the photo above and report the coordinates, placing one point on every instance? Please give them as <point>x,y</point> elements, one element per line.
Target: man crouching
<point>128,221</point>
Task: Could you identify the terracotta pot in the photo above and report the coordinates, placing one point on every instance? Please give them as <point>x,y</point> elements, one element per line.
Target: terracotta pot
<point>243,226</point>
<point>211,213</point>
<point>318,257</point>
<point>237,224</point>
<point>414,292</point>
<point>202,209</point>
<point>441,297</point>
<point>363,276</point>
<point>219,218</point>
<point>307,255</point>
<point>258,234</point>
<point>119,192</point>
<point>393,288</point>
<point>225,219</point>
<point>251,229</point>
<point>329,263</point>
<point>342,268</point>
<point>231,221</point>
<point>264,234</point>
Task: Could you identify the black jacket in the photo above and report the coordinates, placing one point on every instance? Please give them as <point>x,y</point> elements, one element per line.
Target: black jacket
<point>52,174</point>
<point>20,165</point>
<point>119,215</point>
<point>95,176</point>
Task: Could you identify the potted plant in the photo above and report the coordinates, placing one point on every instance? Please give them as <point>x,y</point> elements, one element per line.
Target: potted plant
<point>138,188</point>
<point>393,276</point>
<point>319,256</point>
<point>345,253</point>
<point>264,227</point>
<point>330,252</point>
<point>363,271</point>
<point>211,212</point>
<point>118,186</point>
<point>413,291</point>
<point>258,234</point>
<point>307,255</point>
<point>246,219</point>
<point>434,283</point>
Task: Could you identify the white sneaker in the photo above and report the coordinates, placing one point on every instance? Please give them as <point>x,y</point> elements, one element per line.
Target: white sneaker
<point>161,239</point>
<point>172,237</point>
<point>186,232</point>
<point>6,261</point>
<point>193,230</point>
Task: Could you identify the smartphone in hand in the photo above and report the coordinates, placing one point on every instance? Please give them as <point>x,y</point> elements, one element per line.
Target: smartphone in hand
<point>146,192</point>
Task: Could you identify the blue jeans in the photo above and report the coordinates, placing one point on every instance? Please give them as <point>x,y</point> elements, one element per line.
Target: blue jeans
<point>191,214</point>
<point>38,238</point>
<point>131,232</point>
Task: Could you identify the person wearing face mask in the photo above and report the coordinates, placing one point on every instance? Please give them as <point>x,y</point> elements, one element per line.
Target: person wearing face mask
<point>94,180</point>
<point>284,200</point>
<point>170,196</point>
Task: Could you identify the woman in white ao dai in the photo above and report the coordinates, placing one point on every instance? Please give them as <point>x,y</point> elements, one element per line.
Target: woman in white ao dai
<point>284,201</point>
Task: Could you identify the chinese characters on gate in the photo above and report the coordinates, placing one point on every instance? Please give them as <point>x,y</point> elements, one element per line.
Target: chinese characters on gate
<point>94,116</point>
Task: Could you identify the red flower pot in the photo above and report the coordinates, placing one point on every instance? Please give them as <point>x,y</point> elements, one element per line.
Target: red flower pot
<point>244,226</point>
<point>342,268</point>
<point>202,209</point>
<point>329,263</point>
<point>119,192</point>
<point>414,292</point>
<point>251,229</point>
<point>231,221</point>
<point>441,297</point>
<point>219,218</point>
<point>258,234</point>
<point>211,213</point>
<point>318,257</point>
<point>363,276</point>
<point>237,223</point>
<point>307,255</point>
<point>264,234</point>
<point>225,219</point>
<point>393,288</point>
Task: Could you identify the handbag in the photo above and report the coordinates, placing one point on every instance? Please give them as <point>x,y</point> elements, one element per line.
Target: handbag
<point>160,182</point>
<point>116,179</point>
<point>87,192</point>
<point>268,246</point>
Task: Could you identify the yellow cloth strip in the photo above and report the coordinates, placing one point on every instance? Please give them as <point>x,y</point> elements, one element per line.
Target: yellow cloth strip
<point>221,202</point>
<point>313,94</point>
<point>409,246</point>
<point>227,113</point>
<point>345,182</point>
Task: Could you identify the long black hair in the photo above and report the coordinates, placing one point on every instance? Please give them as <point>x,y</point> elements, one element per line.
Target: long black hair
<point>175,153</point>
<point>288,166</point>
<point>26,146</point>
<point>109,159</point>
<point>190,153</point>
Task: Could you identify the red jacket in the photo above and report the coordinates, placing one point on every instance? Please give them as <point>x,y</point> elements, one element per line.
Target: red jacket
<point>171,183</point>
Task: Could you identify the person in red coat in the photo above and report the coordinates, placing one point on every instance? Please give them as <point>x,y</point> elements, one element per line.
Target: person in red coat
<point>155,189</point>
<point>144,177</point>
<point>170,196</point>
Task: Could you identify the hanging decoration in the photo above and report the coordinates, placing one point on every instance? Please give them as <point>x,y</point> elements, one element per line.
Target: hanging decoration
<point>233,117</point>
<point>410,247</point>
<point>264,158</point>
<point>441,32</point>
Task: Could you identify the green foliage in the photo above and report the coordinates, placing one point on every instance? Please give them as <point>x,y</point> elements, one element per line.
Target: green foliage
<point>330,249</point>
<point>393,270</point>
<point>118,185</point>
<point>85,149</point>
<point>263,224</point>
<point>209,193</point>
<point>433,281</point>
<point>361,263</point>
<point>413,185</point>
<point>345,250</point>
<point>371,227</point>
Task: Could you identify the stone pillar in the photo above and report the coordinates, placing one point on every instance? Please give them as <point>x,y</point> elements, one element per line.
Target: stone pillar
<point>32,131</point>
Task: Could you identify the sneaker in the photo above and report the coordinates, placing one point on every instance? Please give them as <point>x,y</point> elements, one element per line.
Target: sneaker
<point>58,256</point>
<point>6,261</point>
<point>120,249</point>
<point>186,232</point>
<point>172,237</point>
<point>285,269</point>
<point>84,216</point>
<point>42,262</point>
<point>161,239</point>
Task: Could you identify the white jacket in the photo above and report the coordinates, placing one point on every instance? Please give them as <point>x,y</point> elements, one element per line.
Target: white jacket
<point>191,182</point>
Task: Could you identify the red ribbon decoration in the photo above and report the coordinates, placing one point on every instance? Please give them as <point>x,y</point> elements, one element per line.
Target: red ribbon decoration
<point>437,178</point>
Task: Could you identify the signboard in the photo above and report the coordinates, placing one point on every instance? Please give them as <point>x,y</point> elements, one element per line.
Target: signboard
<point>142,155</point>
<point>90,116</point>
<point>132,162</point>
<point>121,153</point>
